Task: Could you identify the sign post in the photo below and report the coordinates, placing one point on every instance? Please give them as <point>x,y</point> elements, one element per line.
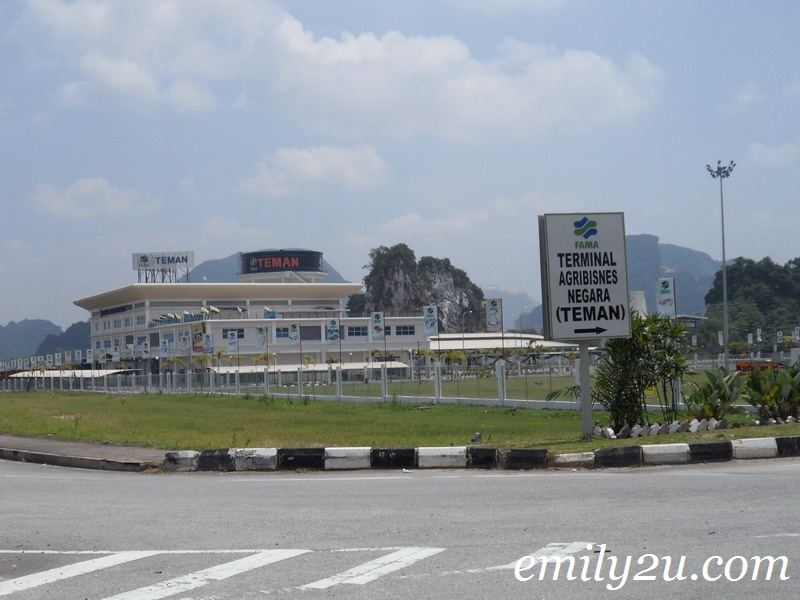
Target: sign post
<point>584,286</point>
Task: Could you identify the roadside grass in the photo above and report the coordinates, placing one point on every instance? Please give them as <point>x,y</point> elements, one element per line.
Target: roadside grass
<point>204,421</point>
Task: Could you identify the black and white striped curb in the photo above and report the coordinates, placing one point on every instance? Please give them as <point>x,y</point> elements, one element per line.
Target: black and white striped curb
<point>475,457</point>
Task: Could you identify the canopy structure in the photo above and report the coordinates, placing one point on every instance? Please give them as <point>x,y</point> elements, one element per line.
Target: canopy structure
<point>75,373</point>
<point>311,368</point>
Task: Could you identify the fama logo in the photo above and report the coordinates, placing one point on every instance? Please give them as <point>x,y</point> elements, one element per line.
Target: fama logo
<point>585,228</point>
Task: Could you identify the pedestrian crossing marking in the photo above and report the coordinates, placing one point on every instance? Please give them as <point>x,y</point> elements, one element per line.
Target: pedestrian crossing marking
<point>82,568</point>
<point>192,581</point>
<point>372,570</point>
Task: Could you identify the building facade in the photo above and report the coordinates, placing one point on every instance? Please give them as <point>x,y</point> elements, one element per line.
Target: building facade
<point>281,313</point>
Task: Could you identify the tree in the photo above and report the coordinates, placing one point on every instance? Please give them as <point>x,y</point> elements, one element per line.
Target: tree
<point>650,358</point>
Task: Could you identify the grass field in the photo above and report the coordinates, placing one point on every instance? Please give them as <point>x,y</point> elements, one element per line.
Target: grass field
<point>203,421</point>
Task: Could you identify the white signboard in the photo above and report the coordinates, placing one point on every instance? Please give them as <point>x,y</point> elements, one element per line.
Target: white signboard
<point>665,296</point>
<point>163,260</point>
<point>584,276</point>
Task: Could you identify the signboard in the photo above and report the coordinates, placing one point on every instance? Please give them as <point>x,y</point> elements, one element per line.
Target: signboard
<point>332,331</point>
<point>145,261</point>
<point>430,319</point>
<point>665,297</point>
<point>376,329</point>
<point>272,261</point>
<point>494,315</point>
<point>233,341</point>
<point>584,276</point>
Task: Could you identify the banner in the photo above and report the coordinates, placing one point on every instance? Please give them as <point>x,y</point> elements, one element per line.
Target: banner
<point>197,338</point>
<point>164,349</point>
<point>332,330</point>
<point>494,315</point>
<point>665,297</point>
<point>146,350</point>
<point>430,319</point>
<point>183,342</point>
<point>376,331</point>
<point>233,341</point>
<point>207,347</point>
<point>261,339</point>
<point>294,334</point>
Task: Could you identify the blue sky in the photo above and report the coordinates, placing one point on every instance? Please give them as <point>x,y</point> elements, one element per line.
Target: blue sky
<point>449,125</point>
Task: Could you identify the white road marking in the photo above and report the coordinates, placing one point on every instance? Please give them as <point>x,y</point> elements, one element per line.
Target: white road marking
<point>198,579</point>
<point>372,570</point>
<point>560,549</point>
<point>59,573</point>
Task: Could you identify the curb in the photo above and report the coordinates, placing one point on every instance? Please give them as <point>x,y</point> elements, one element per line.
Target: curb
<point>78,462</point>
<point>478,457</point>
<point>434,457</point>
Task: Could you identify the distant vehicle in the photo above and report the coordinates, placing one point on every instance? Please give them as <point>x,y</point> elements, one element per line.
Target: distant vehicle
<point>757,366</point>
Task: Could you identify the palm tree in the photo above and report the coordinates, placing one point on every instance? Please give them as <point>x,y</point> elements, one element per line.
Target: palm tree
<point>202,361</point>
<point>170,363</point>
<point>220,356</point>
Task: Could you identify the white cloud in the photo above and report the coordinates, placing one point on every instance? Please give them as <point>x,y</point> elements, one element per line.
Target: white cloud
<point>775,156</point>
<point>91,198</point>
<point>501,6</point>
<point>392,84</point>
<point>190,97</point>
<point>745,97</point>
<point>292,171</point>
<point>416,84</point>
<point>219,232</point>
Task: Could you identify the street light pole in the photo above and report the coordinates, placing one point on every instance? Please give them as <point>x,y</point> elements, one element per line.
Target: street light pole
<point>723,173</point>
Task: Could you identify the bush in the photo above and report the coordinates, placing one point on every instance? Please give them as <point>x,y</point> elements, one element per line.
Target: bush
<point>718,395</point>
<point>775,393</point>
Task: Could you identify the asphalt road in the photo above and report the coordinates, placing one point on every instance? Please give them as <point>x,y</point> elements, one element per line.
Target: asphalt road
<point>425,534</point>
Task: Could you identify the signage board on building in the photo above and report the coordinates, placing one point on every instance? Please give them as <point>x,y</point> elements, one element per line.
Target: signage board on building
<point>584,276</point>
<point>271,261</point>
<point>158,261</point>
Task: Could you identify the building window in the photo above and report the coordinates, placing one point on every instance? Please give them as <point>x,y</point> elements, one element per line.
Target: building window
<point>356,331</point>
<point>405,330</point>
<point>239,333</point>
<point>128,322</point>
<point>140,320</point>
<point>282,333</point>
<point>117,323</point>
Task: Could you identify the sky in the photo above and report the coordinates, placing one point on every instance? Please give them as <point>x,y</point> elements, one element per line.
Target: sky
<point>225,126</point>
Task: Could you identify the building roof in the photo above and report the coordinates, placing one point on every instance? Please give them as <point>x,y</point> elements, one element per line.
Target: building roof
<point>487,341</point>
<point>199,292</point>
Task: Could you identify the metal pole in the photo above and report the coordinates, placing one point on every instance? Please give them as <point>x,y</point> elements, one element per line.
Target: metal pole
<point>725,339</point>
<point>586,390</point>
<point>722,173</point>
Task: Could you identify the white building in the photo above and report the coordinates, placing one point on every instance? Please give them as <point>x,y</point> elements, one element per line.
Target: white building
<point>281,310</point>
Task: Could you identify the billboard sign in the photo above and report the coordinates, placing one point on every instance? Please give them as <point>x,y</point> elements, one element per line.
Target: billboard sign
<point>148,261</point>
<point>584,276</point>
